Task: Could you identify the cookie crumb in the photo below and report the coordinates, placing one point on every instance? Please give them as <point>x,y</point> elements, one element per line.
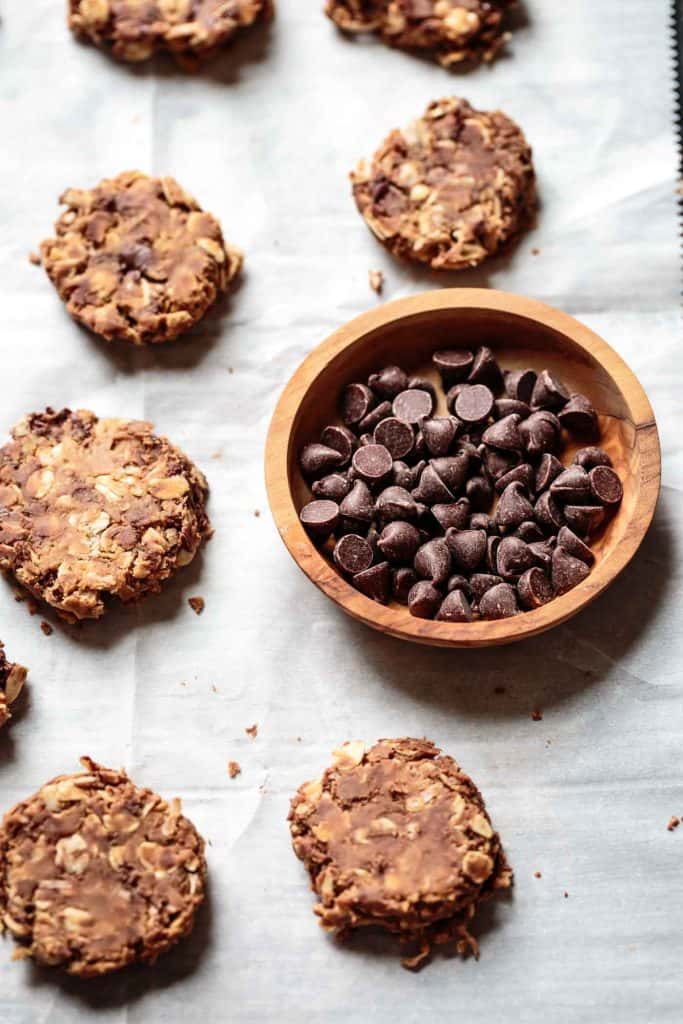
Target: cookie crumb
<point>537,874</point>
<point>252,731</point>
<point>674,822</point>
<point>231,369</point>
<point>566,895</point>
<point>214,688</point>
<point>34,258</point>
<point>197,604</point>
<point>537,715</point>
<point>535,252</point>
<point>32,606</point>
<point>376,280</point>
<point>234,769</point>
<point>257,513</point>
<point>46,628</point>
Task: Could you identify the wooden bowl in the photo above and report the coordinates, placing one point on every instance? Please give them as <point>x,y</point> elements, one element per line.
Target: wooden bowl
<point>522,332</point>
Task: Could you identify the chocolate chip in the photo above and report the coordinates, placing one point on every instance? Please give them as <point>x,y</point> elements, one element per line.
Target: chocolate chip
<point>372,537</point>
<point>529,532</point>
<point>584,519</point>
<point>534,588</point>
<point>548,513</point>
<point>454,364</point>
<point>485,370</point>
<point>318,459</point>
<point>320,518</point>
<point>402,582</point>
<point>549,392</point>
<point>396,503</point>
<point>572,486</point>
<point>365,439</point>
<point>452,394</point>
<point>606,485</point>
<point>424,600</point>
<point>334,486</point>
<point>342,440</point>
<point>474,403</point>
<point>439,434</point>
<point>567,571</point>
<point>418,470</point>
<point>431,489</point>
<point>358,504</point>
<point>479,493</point>
<point>504,434</point>
<point>575,546</point>
<point>591,457</point>
<point>357,401</point>
<point>542,551</point>
<point>513,506</point>
<point>374,417</point>
<point>492,545</point>
<point>522,474</point>
<point>353,554</point>
<point>399,542</point>
<point>389,382</point>
<point>402,475</point>
<point>579,417</point>
<point>373,463</point>
<point>375,582</point>
<point>420,384</point>
<point>452,470</point>
<point>519,384</point>
<point>413,405</point>
<point>510,406</point>
<point>539,434</point>
<point>498,463</point>
<point>419,447</point>
<point>457,582</point>
<point>480,582</point>
<point>454,608</point>
<point>433,561</point>
<point>549,468</point>
<point>500,602</point>
<point>513,558</point>
<point>396,436</point>
<point>482,521</point>
<point>453,515</point>
<point>467,547</point>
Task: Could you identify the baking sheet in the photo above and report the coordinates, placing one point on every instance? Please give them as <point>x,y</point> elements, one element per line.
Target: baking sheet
<point>265,138</point>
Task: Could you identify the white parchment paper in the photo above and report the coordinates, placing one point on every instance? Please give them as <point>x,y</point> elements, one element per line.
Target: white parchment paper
<point>265,138</point>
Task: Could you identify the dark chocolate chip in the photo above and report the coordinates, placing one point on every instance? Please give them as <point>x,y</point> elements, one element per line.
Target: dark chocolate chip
<point>396,436</point>
<point>417,470</point>
<point>399,542</point>
<point>373,463</point>
<point>572,486</point>
<point>396,503</point>
<point>375,582</point>
<point>317,459</point>
<point>542,551</point>
<point>549,392</point>
<point>452,394</point>
<point>539,434</point>
<point>365,439</point>
<point>419,447</point>
<point>549,468</point>
<point>342,440</point>
<point>480,582</point>
<point>452,469</point>
<point>468,547</point>
<point>492,545</point>
<point>453,515</point>
<point>358,505</point>
<point>591,457</point>
<point>548,513</point>
<point>513,558</point>
<point>372,537</point>
<point>353,554</point>
<point>498,463</point>
<point>474,403</point>
<point>413,405</point>
<point>424,600</point>
<point>567,571</point>
<point>320,518</point>
<point>504,434</point>
<point>374,417</point>
<point>420,384</point>
<point>388,383</point>
<point>431,489</point>
<point>508,406</point>
<point>605,485</point>
<point>519,384</point>
<point>575,546</point>
<point>579,417</point>
<point>534,588</point>
<point>433,561</point>
<point>522,474</point>
<point>454,608</point>
<point>513,506</point>
<point>457,582</point>
<point>500,602</point>
<point>482,521</point>
<point>357,401</point>
<point>334,486</point>
<point>439,434</point>
<point>584,519</point>
<point>402,475</point>
<point>479,493</point>
<point>485,370</point>
<point>402,582</point>
<point>529,532</point>
<point>454,364</point>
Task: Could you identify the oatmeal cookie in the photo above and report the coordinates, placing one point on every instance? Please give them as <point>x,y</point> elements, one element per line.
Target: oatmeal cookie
<point>397,836</point>
<point>12,679</point>
<point>96,873</point>
<point>136,259</point>
<point>192,30</point>
<point>450,189</point>
<point>93,509</point>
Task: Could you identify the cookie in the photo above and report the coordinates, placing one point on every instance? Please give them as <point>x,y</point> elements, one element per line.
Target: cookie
<point>192,30</point>
<point>94,509</point>
<point>450,189</point>
<point>452,31</point>
<point>97,873</point>
<point>12,679</point>
<point>136,259</point>
<point>398,837</point>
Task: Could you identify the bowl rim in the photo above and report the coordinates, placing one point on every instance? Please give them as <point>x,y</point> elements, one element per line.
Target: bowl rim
<point>397,621</point>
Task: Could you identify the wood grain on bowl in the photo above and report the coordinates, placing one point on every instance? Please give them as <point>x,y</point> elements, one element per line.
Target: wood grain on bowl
<point>522,332</point>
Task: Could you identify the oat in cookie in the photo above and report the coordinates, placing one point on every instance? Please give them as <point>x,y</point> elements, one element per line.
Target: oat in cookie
<point>12,679</point>
<point>450,189</point>
<point>96,872</point>
<point>397,836</point>
<point>192,30</point>
<point>136,259</point>
<point>96,509</point>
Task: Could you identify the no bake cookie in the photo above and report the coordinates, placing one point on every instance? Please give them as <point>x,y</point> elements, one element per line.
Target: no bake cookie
<point>12,679</point>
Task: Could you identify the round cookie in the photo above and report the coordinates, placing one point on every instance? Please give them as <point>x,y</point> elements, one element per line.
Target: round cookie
<point>450,189</point>
<point>12,679</point>
<point>96,873</point>
<point>136,259</point>
<point>397,836</point>
<point>94,509</point>
<point>190,29</point>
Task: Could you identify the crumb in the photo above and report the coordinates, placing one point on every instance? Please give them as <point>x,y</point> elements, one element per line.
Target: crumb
<point>217,455</point>
<point>566,895</point>
<point>252,731</point>
<point>298,739</point>
<point>230,369</point>
<point>376,280</point>
<point>46,628</point>
<point>34,258</point>
<point>257,512</point>
<point>183,684</point>
<point>234,769</point>
<point>214,688</point>
<point>19,597</point>
<point>548,743</point>
<point>197,604</point>
<point>537,874</point>
<point>135,119</point>
<point>537,715</point>
<point>499,690</point>
<point>674,822</point>
<point>535,252</point>
<point>32,606</point>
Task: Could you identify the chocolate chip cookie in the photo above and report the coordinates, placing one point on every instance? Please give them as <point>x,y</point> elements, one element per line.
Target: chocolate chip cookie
<point>94,509</point>
<point>96,872</point>
<point>452,31</point>
<point>397,836</point>
<point>12,679</point>
<point>450,189</point>
<point>136,259</point>
<point>191,30</point>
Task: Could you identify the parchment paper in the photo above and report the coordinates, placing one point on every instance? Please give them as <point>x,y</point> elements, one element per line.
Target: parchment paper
<point>265,138</point>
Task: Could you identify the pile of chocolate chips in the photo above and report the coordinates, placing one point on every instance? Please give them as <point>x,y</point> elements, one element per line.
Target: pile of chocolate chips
<point>405,499</point>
